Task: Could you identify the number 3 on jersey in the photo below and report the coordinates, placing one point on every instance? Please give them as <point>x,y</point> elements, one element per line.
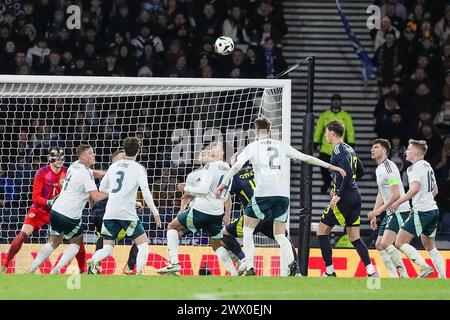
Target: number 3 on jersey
<point>119,181</point>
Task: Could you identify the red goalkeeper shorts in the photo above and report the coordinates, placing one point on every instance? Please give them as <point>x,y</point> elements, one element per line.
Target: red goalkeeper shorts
<point>37,218</point>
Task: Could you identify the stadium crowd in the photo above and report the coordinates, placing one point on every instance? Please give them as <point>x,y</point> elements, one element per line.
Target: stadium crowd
<point>146,38</point>
<point>412,56</point>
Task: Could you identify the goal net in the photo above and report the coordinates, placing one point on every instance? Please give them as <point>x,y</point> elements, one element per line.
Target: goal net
<point>174,118</point>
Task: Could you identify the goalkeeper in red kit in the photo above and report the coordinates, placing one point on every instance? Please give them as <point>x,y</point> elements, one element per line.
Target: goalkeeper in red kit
<point>46,188</point>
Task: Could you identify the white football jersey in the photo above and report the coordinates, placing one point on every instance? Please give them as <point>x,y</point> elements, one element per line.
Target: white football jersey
<point>74,194</point>
<point>193,179</point>
<point>271,165</point>
<point>121,182</point>
<point>211,178</point>
<point>422,172</point>
<point>388,175</point>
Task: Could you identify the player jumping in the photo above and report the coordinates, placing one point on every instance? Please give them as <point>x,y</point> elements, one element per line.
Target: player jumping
<point>243,187</point>
<point>270,160</point>
<point>345,205</point>
<point>46,188</point>
<point>390,188</point>
<point>423,220</point>
<point>206,213</point>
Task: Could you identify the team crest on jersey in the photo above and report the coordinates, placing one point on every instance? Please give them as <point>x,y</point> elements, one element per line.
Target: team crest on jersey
<point>55,184</point>
<point>32,215</point>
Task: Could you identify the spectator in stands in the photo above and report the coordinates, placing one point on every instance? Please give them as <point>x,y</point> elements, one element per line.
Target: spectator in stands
<point>397,153</point>
<point>7,62</point>
<point>272,59</point>
<point>431,136</point>
<point>235,27</point>
<point>266,12</point>
<point>110,67</point>
<point>386,27</point>
<point>442,119</point>
<point>442,27</point>
<point>145,72</point>
<point>446,86</point>
<point>37,56</point>
<point>423,99</point>
<point>208,22</point>
<point>388,118</point>
<point>9,190</point>
<point>125,63</point>
<point>28,37</point>
<point>399,9</point>
<point>442,174</point>
<point>387,59</point>
<point>419,15</point>
<point>325,149</point>
<point>390,12</point>
<point>253,63</point>
<point>146,36</point>
<point>409,47</point>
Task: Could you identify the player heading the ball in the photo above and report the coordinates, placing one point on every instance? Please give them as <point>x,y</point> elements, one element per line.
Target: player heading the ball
<point>270,160</point>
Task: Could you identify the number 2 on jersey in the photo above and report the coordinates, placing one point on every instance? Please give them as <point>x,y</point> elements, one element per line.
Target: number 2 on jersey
<point>119,180</point>
<point>274,156</point>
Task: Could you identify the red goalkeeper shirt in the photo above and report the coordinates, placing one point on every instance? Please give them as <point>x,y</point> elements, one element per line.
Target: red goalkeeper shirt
<point>46,186</point>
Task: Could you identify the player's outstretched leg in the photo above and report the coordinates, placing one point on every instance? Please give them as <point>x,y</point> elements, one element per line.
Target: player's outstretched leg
<point>45,252</point>
<point>172,246</point>
<point>105,252</point>
<point>16,245</point>
<point>402,243</point>
<point>223,255</point>
<point>70,253</point>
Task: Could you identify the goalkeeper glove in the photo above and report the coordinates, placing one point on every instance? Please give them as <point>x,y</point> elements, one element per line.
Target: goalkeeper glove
<point>51,201</point>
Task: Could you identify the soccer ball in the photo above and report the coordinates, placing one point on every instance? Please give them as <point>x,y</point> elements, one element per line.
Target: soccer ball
<point>224,45</point>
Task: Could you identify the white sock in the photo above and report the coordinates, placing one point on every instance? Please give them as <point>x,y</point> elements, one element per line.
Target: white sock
<point>397,260</point>
<point>172,245</point>
<point>329,269</point>
<point>70,253</point>
<point>413,255</point>
<point>286,256</point>
<point>438,262</point>
<point>370,269</point>
<point>103,253</point>
<point>388,263</point>
<point>142,257</point>
<point>249,246</point>
<point>223,255</point>
<point>42,255</point>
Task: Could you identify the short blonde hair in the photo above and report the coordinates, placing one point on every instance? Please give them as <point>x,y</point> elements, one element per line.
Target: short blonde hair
<point>419,144</point>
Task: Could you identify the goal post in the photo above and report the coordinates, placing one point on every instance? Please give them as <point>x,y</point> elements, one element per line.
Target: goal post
<point>174,117</point>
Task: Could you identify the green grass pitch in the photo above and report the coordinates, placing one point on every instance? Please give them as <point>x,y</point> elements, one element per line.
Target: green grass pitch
<point>204,288</point>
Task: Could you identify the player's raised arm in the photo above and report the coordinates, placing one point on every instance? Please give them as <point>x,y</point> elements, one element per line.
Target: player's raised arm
<point>205,181</point>
<point>242,158</point>
<point>295,154</point>
<point>143,184</point>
